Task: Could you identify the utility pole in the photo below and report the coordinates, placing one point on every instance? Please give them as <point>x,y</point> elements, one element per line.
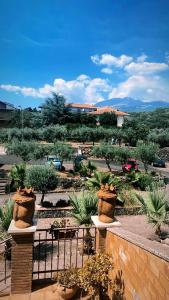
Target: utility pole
<point>21,111</point>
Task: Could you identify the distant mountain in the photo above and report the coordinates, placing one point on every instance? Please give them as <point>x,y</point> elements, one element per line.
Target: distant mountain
<point>132,105</point>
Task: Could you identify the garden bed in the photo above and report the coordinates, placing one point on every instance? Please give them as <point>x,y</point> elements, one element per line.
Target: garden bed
<point>64,212</point>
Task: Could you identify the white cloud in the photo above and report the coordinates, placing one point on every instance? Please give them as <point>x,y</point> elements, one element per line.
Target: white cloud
<point>82,89</point>
<point>107,70</point>
<point>145,67</point>
<point>143,81</point>
<point>110,60</point>
<point>142,58</point>
<point>142,87</point>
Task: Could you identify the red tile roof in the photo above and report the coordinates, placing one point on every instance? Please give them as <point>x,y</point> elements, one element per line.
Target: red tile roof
<point>108,109</point>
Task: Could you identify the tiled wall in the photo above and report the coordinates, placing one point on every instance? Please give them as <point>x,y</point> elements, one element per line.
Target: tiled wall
<point>140,275</point>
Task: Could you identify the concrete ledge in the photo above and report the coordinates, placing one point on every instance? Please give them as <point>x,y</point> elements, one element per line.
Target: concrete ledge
<point>15,230</point>
<point>100,224</point>
<point>154,247</point>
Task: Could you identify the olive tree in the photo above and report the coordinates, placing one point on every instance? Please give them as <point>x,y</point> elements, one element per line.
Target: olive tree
<point>27,150</point>
<point>106,152</point>
<point>42,179</point>
<point>63,151</point>
<point>146,152</point>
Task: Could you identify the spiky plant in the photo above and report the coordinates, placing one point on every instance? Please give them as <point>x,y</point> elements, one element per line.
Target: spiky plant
<point>155,207</point>
<point>100,179</point>
<point>17,174</point>
<point>6,214</point>
<point>84,206</point>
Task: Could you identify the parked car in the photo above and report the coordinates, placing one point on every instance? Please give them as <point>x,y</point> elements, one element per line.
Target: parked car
<point>159,163</point>
<point>56,162</point>
<point>130,165</point>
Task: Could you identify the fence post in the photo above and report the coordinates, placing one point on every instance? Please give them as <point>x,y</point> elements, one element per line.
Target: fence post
<point>21,258</point>
<point>101,232</point>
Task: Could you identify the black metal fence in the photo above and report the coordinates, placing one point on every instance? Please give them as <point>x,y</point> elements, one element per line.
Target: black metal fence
<point>61,248</point>
<point>5,266</point>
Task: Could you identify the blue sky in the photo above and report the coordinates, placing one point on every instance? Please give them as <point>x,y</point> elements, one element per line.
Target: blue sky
<point>86,50</point>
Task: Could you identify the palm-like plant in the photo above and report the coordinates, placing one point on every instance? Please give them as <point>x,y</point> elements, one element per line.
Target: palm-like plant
<point>101,179</point>
<point>84,206</point>
<point>17,174</point>
<point>155,207</point>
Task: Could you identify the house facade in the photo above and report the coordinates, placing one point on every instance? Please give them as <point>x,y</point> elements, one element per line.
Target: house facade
<point>6,110</point>
<point>94,110</point>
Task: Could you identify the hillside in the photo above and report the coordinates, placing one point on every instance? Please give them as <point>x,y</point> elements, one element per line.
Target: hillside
<point>132,105</point>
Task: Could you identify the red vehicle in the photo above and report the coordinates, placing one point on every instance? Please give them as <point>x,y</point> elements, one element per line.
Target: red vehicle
<point>130,165</point>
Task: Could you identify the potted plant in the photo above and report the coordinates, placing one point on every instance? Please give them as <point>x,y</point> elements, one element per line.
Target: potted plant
<point>104,184</point>
<point>67,283</point>
<point>94,276</point>
<point>62,229</point>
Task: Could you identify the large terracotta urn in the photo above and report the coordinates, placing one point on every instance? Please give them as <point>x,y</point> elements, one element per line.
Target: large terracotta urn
<point>107,199</point>
<point>24,207</point>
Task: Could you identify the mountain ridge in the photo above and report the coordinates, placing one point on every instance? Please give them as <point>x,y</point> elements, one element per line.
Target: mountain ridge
<point>128,104</point>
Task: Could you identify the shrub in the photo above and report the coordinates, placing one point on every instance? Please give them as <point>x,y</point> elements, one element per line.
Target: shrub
<point>42,179</point>
<point>94,276</point>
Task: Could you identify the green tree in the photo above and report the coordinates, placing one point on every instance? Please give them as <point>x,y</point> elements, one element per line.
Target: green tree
<point>42,179</point>
<point>27,150</point>
<point>123,153</point>
<point>53,133</point>
<point>146,152</point>
<point>105,151</point>
<point>108,119</point>
<point>54,110</point>
<point>62,151</point>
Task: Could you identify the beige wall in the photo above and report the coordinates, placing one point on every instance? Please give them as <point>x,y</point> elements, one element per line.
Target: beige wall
<point>120,121</point>
<point>140,274</point>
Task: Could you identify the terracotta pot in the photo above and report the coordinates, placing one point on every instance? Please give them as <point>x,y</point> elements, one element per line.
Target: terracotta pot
<point>24,208</point>
<point>66,293</point>
<point>106,204</point>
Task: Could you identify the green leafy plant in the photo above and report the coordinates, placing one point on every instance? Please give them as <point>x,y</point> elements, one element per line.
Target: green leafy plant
<point>42,179</point>
<point>147,153</point>
<point>101,179</point>
<point>105,151</point>
<point>68,278</point>
<point>94,276</point>
<point>6,215</point>
<point>128,197</point>
<point>84,206</point>
<point>17,175</point>
<point>155,207</point>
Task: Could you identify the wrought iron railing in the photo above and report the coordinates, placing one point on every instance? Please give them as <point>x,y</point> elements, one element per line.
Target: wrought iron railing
<point>59,249</point>
<point>5,265</point>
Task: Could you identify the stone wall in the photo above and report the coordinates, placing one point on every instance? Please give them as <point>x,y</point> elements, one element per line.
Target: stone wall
<point>140,270</point>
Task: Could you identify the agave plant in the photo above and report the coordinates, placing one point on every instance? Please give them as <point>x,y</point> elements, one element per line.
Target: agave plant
<point>17,175</point>
<point>101,179</point>
<point>155,207</point>
<point>85,206</point>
